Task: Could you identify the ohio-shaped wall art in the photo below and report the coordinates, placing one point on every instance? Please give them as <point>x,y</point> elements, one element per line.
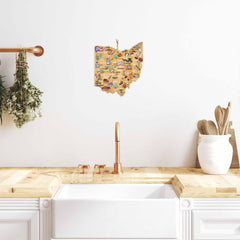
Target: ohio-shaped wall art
<point>115,70</point>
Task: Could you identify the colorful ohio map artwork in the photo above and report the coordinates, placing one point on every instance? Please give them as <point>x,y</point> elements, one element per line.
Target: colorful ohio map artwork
<point>115,70</point>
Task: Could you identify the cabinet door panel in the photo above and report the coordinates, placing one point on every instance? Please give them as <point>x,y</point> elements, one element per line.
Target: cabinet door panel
<point>19,225</point>
<point>216,224</point>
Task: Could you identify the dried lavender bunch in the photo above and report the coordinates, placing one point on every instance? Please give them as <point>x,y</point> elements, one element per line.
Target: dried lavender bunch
<point>22,100</point>
<point>2,95</point>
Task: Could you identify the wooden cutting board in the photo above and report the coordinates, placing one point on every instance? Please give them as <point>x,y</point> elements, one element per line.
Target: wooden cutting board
<point>235,159</point>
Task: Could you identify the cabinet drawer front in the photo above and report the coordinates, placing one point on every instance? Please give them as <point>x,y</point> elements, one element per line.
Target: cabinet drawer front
<point>216,224</point>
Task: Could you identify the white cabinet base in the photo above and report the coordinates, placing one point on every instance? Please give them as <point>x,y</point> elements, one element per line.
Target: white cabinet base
<point>200,219</point>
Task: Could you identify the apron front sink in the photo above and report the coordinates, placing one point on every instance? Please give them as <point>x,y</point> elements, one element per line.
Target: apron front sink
<point>115,211</point>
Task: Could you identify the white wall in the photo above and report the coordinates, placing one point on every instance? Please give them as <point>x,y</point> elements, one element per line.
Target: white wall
<point>191,64</point>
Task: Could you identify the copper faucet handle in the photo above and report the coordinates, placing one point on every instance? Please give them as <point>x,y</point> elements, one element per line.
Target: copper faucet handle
<point>83,167</point>
<point>99,167</point>
<point>79,166</point>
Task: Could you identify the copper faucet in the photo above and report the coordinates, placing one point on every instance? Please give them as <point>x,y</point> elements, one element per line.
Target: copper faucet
<point>117,165</point>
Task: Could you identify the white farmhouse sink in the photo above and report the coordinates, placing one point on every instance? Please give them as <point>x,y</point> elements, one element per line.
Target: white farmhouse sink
<point>115,211</point>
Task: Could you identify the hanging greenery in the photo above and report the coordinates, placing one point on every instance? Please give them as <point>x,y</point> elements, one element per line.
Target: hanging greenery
<point>2,95</point>
<point>22,100</point>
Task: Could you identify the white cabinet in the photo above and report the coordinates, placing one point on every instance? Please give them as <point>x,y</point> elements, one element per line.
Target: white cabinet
<point>200,219</point>
<point>19,224</point>
<point>210,219</point>
<point>216,224</point>
<point>19,219</point>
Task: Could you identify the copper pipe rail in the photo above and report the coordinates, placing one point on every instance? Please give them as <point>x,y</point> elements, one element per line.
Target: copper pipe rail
<point>37,50</point>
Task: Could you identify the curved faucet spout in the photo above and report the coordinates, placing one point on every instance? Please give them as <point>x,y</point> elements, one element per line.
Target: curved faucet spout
<point>117,165</point>
<point>117,132</point>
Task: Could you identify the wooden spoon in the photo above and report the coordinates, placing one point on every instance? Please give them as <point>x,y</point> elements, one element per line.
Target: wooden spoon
<point>201,126</point>
<point>210,128</point>
<point>207,127</point>
<point>219,116</point>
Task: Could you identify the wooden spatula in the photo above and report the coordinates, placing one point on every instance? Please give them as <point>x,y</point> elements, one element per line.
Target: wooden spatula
<point>229,125</point>
<point>226,119</point>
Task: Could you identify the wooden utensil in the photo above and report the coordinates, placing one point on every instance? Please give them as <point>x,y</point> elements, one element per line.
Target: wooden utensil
<point>229,125</point>
<point>226,119</point>
<point>210,128</point>
<point>219,116</point>
<point>207,127</point>
<point>201,126</point>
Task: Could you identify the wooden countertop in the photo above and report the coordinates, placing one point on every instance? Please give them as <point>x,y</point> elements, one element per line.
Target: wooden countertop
<point>188,182</point>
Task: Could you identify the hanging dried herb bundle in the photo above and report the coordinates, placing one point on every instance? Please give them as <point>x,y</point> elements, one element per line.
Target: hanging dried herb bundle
<point>2,95</point>
<point>22,100</point>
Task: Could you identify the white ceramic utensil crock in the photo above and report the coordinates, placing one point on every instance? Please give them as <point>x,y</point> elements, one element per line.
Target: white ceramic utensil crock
<point>215,153</point>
